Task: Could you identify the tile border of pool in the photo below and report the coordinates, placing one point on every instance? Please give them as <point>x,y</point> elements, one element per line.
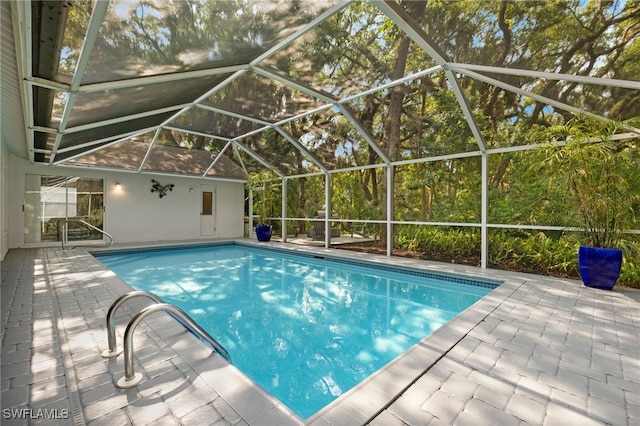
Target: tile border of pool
<point>372,396</point>
<point>406,270</point>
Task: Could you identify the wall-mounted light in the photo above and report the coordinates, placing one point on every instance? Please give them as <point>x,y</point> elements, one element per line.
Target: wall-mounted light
<point>118,187</point>
<point>191,190</point>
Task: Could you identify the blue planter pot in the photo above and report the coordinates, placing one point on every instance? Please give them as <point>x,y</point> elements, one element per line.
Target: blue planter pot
<point>263,232</point>
<point>599,267</point>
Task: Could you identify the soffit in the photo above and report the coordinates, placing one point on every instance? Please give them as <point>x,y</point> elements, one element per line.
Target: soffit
<point>12,118</point>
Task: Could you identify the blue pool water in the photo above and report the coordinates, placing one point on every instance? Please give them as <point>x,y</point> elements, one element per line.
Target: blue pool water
<point>305,329</point>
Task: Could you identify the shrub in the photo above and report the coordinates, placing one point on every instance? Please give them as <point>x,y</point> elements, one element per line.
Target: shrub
<point>546,253</point>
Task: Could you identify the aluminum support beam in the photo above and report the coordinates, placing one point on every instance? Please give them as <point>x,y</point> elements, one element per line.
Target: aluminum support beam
<point>283,215</point>
<point>328,194</point>
<point>467,111</point>
<point>97,16</point>
<point>250,232</point>
<point>215,160</point>
<point>484,212</point>
<point>539,98</point>
<point>364,132</point>
<point>289,82</point>
<point>626,84</point>
<point>311,156</point>
<point>389,209</point>
<point>156,79</point>
<point>258,158</point>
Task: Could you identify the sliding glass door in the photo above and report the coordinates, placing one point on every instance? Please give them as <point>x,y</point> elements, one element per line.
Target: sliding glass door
<point>49,201</point>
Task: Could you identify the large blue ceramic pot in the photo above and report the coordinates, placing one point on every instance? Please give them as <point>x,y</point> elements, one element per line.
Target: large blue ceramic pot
<point>263,232</point>
<point>599,267</point>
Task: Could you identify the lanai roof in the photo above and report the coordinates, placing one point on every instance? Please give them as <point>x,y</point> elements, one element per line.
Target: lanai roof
<point>222,88</point>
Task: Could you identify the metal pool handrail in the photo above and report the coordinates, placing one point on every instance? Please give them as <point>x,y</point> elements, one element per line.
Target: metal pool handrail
<point>131,378</point>
<point>113,350</point>
<point>65,232</point>
<point>182,318</point>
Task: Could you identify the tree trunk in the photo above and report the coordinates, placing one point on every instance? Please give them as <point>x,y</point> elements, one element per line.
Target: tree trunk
<point>423,203</point>
<point>502,170</point>
<point>432,192</point>
<point>371,107</point>
<point>392,126</point>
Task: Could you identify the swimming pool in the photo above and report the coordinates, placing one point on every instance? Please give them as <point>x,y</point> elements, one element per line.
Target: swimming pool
<point>305,328</point>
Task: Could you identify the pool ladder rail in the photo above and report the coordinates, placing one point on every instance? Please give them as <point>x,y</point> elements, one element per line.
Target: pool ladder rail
<point>131,378</point>
<point>65,233</point>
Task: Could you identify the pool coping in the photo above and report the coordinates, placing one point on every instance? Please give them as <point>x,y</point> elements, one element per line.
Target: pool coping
<point>373,395</point>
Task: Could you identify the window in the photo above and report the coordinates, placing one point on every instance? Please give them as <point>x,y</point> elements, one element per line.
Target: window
<point>51,200</point>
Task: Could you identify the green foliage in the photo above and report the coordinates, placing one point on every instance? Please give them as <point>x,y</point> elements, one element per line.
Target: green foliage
<point>442,191</point>
<point>314,195</point>
<point>350,198</point>
<point>536,252</point>
<point>546,253</point>
<point>267,196</point>
<point>597,172</point>
<point>630,272</point>
<point>550,254</point>
<point>452,242</point>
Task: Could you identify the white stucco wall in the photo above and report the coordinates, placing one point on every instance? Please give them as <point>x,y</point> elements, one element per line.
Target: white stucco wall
<point>134,214</point>
<point>4,199</point>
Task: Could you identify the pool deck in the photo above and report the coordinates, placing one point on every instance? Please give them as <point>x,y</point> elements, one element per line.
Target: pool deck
<point>336,242</point>
<point>537,350</point>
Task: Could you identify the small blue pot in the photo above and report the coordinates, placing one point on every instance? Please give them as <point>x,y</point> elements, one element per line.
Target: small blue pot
<point>263,232</point>
<point>599,267</point>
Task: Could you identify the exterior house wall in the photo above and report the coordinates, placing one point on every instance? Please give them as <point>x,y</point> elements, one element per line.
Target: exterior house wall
<point>134,214</point>
<point>4,199</point>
